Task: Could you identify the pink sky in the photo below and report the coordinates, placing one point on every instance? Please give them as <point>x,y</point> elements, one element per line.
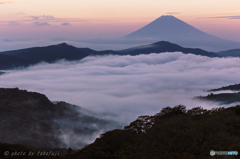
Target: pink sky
<point>74,19</point>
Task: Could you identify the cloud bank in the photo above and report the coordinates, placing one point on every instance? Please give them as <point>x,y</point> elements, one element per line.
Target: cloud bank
<point>226,17</point>
<point>40,24</point>
<point>64,24</point>
<point>173,13</point>
<point>123,87</point>
<point>41,17</point>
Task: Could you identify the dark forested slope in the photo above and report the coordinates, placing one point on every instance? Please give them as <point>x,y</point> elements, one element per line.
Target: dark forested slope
<point>173,133</point>
<point>223,98</point>
<point>29,118</point>
<point>235,87</point>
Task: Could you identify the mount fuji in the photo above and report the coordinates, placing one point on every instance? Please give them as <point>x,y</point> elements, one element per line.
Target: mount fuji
<point>169,28</point>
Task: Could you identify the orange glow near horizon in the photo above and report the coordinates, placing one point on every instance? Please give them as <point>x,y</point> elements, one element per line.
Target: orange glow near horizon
<point>114,18</point>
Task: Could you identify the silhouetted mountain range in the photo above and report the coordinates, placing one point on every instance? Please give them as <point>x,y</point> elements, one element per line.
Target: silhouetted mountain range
<point>230,53</point>
<point>169,28</point>
<point>164,46</point>
<point>25,57</point>
<point>29,118</point>
<point>31,56</point>
<point>8,62</point>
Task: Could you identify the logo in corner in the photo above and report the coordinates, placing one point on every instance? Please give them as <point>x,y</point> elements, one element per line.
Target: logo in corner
<point>212,153</point>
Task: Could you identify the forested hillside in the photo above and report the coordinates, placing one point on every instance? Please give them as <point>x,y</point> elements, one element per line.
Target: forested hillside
<point>30,118</point>
<point>223,98</point>
<point>174,133</point>
<point>235,87</point>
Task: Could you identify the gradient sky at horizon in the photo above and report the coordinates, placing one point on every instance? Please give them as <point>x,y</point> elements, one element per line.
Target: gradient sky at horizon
<point>75,19</point>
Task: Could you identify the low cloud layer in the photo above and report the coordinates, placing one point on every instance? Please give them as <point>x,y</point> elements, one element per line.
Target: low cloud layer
<point>227,17</point>
<point>13,23</point>
<point>124,87</point>
<point>96,44</point>
<point>173,13</point>
<point>64,24</point>
<point>41,17</point>
<point>40,23</point>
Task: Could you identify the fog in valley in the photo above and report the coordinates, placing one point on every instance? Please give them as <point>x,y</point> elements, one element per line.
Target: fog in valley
<point>120,88</point>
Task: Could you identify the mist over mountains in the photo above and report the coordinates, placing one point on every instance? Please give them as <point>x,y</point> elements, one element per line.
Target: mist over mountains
<point>31,119</point>
<point>164,46</point>
<point>169,31</point>
<point>174,132</point>
<point>53,53</point>
<point>122,87</point>
<point>164,28</point>
<point>110,88</point>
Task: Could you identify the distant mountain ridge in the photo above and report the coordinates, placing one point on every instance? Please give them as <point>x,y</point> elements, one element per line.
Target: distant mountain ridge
<point>235,87</point>
<point>169,28</point>
<point>164,46</point>
<point>47,53</point>
<point>7,62</point>
<point>50,54</point>
<point>31,56</point>
<point>230,53</point>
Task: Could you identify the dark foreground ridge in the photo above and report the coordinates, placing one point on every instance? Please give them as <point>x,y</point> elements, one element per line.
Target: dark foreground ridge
<point>173,133</point>
<point>29,118</point>
<point>17,151</point>
<point>53,53</point>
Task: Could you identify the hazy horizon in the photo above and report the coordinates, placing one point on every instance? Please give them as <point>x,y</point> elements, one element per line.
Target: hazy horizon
<point>27,23</point>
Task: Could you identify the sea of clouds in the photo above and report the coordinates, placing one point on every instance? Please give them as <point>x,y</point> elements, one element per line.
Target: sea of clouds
<point>121,88</point>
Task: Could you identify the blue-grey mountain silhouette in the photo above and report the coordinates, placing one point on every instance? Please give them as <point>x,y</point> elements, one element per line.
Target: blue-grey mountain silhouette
<point>30,56</point>
<point>164,46</point>
<point>50,54</point>
<point>169,28</point>
<point>230,53</point>
<point>7,62</point>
